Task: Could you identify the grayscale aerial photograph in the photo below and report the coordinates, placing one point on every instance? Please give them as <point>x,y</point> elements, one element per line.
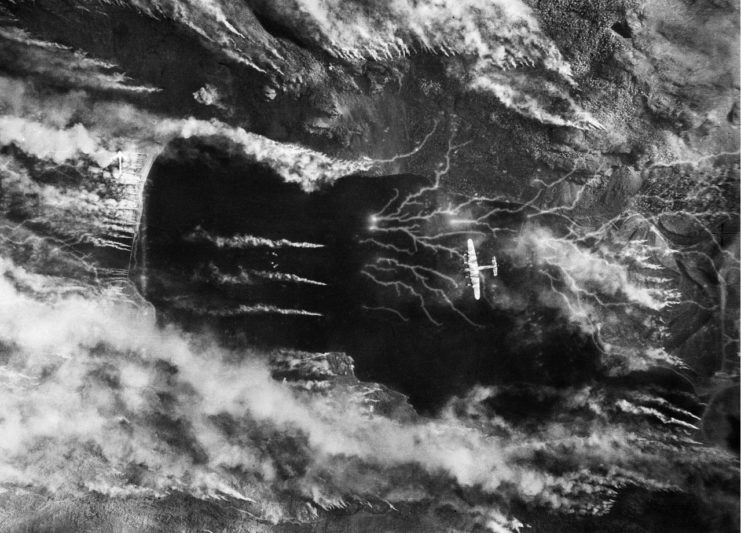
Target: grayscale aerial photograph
<point>369,266</point>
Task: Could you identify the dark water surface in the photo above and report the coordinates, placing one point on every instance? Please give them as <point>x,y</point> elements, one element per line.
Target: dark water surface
<point>198,187</point>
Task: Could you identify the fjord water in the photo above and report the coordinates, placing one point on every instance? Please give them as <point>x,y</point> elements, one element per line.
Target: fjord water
<point>233,249</point>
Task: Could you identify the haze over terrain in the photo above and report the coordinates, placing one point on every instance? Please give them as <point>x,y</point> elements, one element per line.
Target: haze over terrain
<point>236,288</point>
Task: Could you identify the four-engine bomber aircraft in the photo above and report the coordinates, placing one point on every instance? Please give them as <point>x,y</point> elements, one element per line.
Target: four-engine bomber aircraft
<point>474,270</point>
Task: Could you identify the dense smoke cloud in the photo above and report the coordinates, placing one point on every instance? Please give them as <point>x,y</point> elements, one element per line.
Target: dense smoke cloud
<point>495,37</point>
<point>548,104</point>
<point>100,378</point>
<point>212,274</point>
<point>503,31</point>
<point>103,380</point>
<point>150,410</point>
<point>57,145</point>
<point>61,127</point>
<point>599,284</point>
<point>587,272</point>
<point>94,396</point>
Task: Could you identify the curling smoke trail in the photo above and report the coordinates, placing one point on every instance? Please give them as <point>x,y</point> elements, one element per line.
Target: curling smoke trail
<point>76,403</point>
<point>251,277</point>
<point>246,241</point>
<point>258,309</point>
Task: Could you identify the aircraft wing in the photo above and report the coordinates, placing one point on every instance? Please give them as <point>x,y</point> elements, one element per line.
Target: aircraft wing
<point>473,270</point>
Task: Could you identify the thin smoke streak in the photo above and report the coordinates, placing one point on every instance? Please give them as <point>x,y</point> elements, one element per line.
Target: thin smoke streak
<point>250,277</point>
<point>257,309</point>
<point>246,241</point>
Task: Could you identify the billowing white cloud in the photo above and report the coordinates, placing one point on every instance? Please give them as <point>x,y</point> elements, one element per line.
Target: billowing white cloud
<point>504,32</point>
<point>587,273</point>
<point>92,389</point>
<point>68,126</point>
<point>46,142</point>
<point>531,97</point>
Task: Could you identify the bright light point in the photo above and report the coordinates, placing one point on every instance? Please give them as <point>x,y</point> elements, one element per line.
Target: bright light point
<point>372,221</point>
<point>461,221</point>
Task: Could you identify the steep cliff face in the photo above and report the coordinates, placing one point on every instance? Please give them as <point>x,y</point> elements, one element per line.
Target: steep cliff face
<point>592,147</point>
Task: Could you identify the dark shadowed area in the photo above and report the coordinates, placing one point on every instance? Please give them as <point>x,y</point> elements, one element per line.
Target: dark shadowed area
<point>200,187</point>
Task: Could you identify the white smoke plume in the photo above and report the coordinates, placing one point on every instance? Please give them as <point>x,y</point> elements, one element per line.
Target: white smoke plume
<point>22,52</point>
<point>63,127</point>
<point>491,38</point>
<point>246,241</point>
<point>94,396</point>
<point>586,272</point>
<point>209,95</point>
<point>495,37</point>
<point>621,358</point>
<point>55,144</point>
<point>292,162</point>
<point>594,284</point>
<point>83,206</point>
<point>250,277</point>
<point>503,31</point>
<point>100,392</point>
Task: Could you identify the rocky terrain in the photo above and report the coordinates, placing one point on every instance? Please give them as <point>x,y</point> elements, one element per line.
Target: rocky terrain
<point>600,139</point>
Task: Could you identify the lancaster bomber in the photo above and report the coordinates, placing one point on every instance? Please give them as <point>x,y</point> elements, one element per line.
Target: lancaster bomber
<point>474,270</point>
